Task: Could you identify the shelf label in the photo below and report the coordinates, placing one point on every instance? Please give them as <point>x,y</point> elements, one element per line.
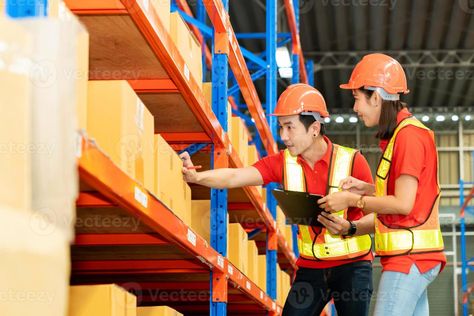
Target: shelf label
<point>247,285</point>
<point>186,72</point>
<point>261,295</point>
<point>192,237</point>
<point>141,197</point>
<point>220,261</point>
<point>230,269</point>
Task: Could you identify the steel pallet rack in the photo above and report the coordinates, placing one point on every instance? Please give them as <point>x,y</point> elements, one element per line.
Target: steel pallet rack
<point>161,255</point>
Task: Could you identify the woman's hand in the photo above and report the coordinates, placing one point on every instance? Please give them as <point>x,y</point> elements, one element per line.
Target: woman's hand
<point>337,201</point>
<point>356,186</point>
<point>335,224</point>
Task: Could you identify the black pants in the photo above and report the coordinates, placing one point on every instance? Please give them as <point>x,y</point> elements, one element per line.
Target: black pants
<point>350,286</point>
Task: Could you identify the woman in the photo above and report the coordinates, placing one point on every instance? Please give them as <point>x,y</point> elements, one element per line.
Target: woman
<point>407,232</point>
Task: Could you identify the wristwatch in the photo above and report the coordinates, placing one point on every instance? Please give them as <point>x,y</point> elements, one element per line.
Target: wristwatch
<point>352,229</point>
<point>360,202</point>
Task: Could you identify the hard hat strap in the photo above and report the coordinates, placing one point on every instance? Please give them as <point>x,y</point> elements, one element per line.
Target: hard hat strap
<point>384,94</point>
<point>316,116</point>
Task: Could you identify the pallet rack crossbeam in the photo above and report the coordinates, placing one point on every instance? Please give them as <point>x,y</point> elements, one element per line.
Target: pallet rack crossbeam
<point>254,58</point>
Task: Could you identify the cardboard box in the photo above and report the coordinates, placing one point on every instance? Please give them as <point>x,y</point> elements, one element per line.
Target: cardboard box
<point>285,286</point>
<point>239,138</point>
<point>15,120</point>
<point>144,169</point>
<point>163,10</point>
<point>104,300</point>
<point>187,45</point>
<point>200,218</point>
<point>262,272</point>
<point>157,311</point>
<point>252,154</point>
<point>207,90</point>
<point>35,265</point>
<point>289,235</point>
<point>170,188</point>
<point>163,166</point>
<point>281,220</point>
<point>253,261</point>
<point>237,251</point>
<point>123,128</point>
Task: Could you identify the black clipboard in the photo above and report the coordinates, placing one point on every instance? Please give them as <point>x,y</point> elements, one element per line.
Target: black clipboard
<point>300,208</point>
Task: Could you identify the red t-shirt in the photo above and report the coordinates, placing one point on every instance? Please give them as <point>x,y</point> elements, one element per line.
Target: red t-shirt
<point>271,169</point>
<point>414,154</point>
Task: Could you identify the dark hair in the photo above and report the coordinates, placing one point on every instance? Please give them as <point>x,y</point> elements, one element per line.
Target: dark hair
<point>308,120</point>
<point>388,115</point>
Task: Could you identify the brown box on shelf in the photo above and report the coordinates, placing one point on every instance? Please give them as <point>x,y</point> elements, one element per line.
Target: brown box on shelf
<point>157,311</point>
<point>144,169</point>
<point>170,188</point>
<point>35,264</point>
<point>207,90</point>
<point>162,8</point>
<point>113,121</point>
<point>163,154</point>
<point>289,236</point>
<point>179,190</point>
<point>252,266</point>
<point>15,120</point>
<point>239,138</point>
<point>188,46</point>
<point>104,300</point>
<point>238,248</point>
<point>200,218</point>
<point>279,291</point>
<point>285,286</point>
<point>252,155</point>
<point>262,272</point>
<point>281,220</point>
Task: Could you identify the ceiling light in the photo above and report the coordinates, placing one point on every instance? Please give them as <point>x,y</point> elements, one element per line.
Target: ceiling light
<point>455,118</point>
<point>467,117</point>
<point>425,118</point>
<point>339,119</point>
<point>327,120</point>
<point>353,119</point>
<point>440,118</point>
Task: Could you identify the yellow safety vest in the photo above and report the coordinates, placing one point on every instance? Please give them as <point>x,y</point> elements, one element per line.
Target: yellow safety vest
<point>325,246</point>
<point>391,239</point>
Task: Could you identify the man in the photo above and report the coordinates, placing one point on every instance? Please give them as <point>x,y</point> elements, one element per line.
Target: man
<point>329,266</point>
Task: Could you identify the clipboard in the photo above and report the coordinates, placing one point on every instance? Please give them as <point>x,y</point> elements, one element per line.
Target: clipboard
<point>300,208</point>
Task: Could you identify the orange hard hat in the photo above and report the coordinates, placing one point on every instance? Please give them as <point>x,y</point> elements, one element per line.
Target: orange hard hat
<point>301,98</point>
<point>377,71</point>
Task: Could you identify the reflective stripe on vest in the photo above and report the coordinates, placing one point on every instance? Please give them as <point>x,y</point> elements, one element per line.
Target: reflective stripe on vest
<point>398,241</point>
<point>324,246</point>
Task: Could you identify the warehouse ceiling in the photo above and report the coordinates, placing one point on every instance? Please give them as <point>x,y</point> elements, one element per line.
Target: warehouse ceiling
<point>433,39</point>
